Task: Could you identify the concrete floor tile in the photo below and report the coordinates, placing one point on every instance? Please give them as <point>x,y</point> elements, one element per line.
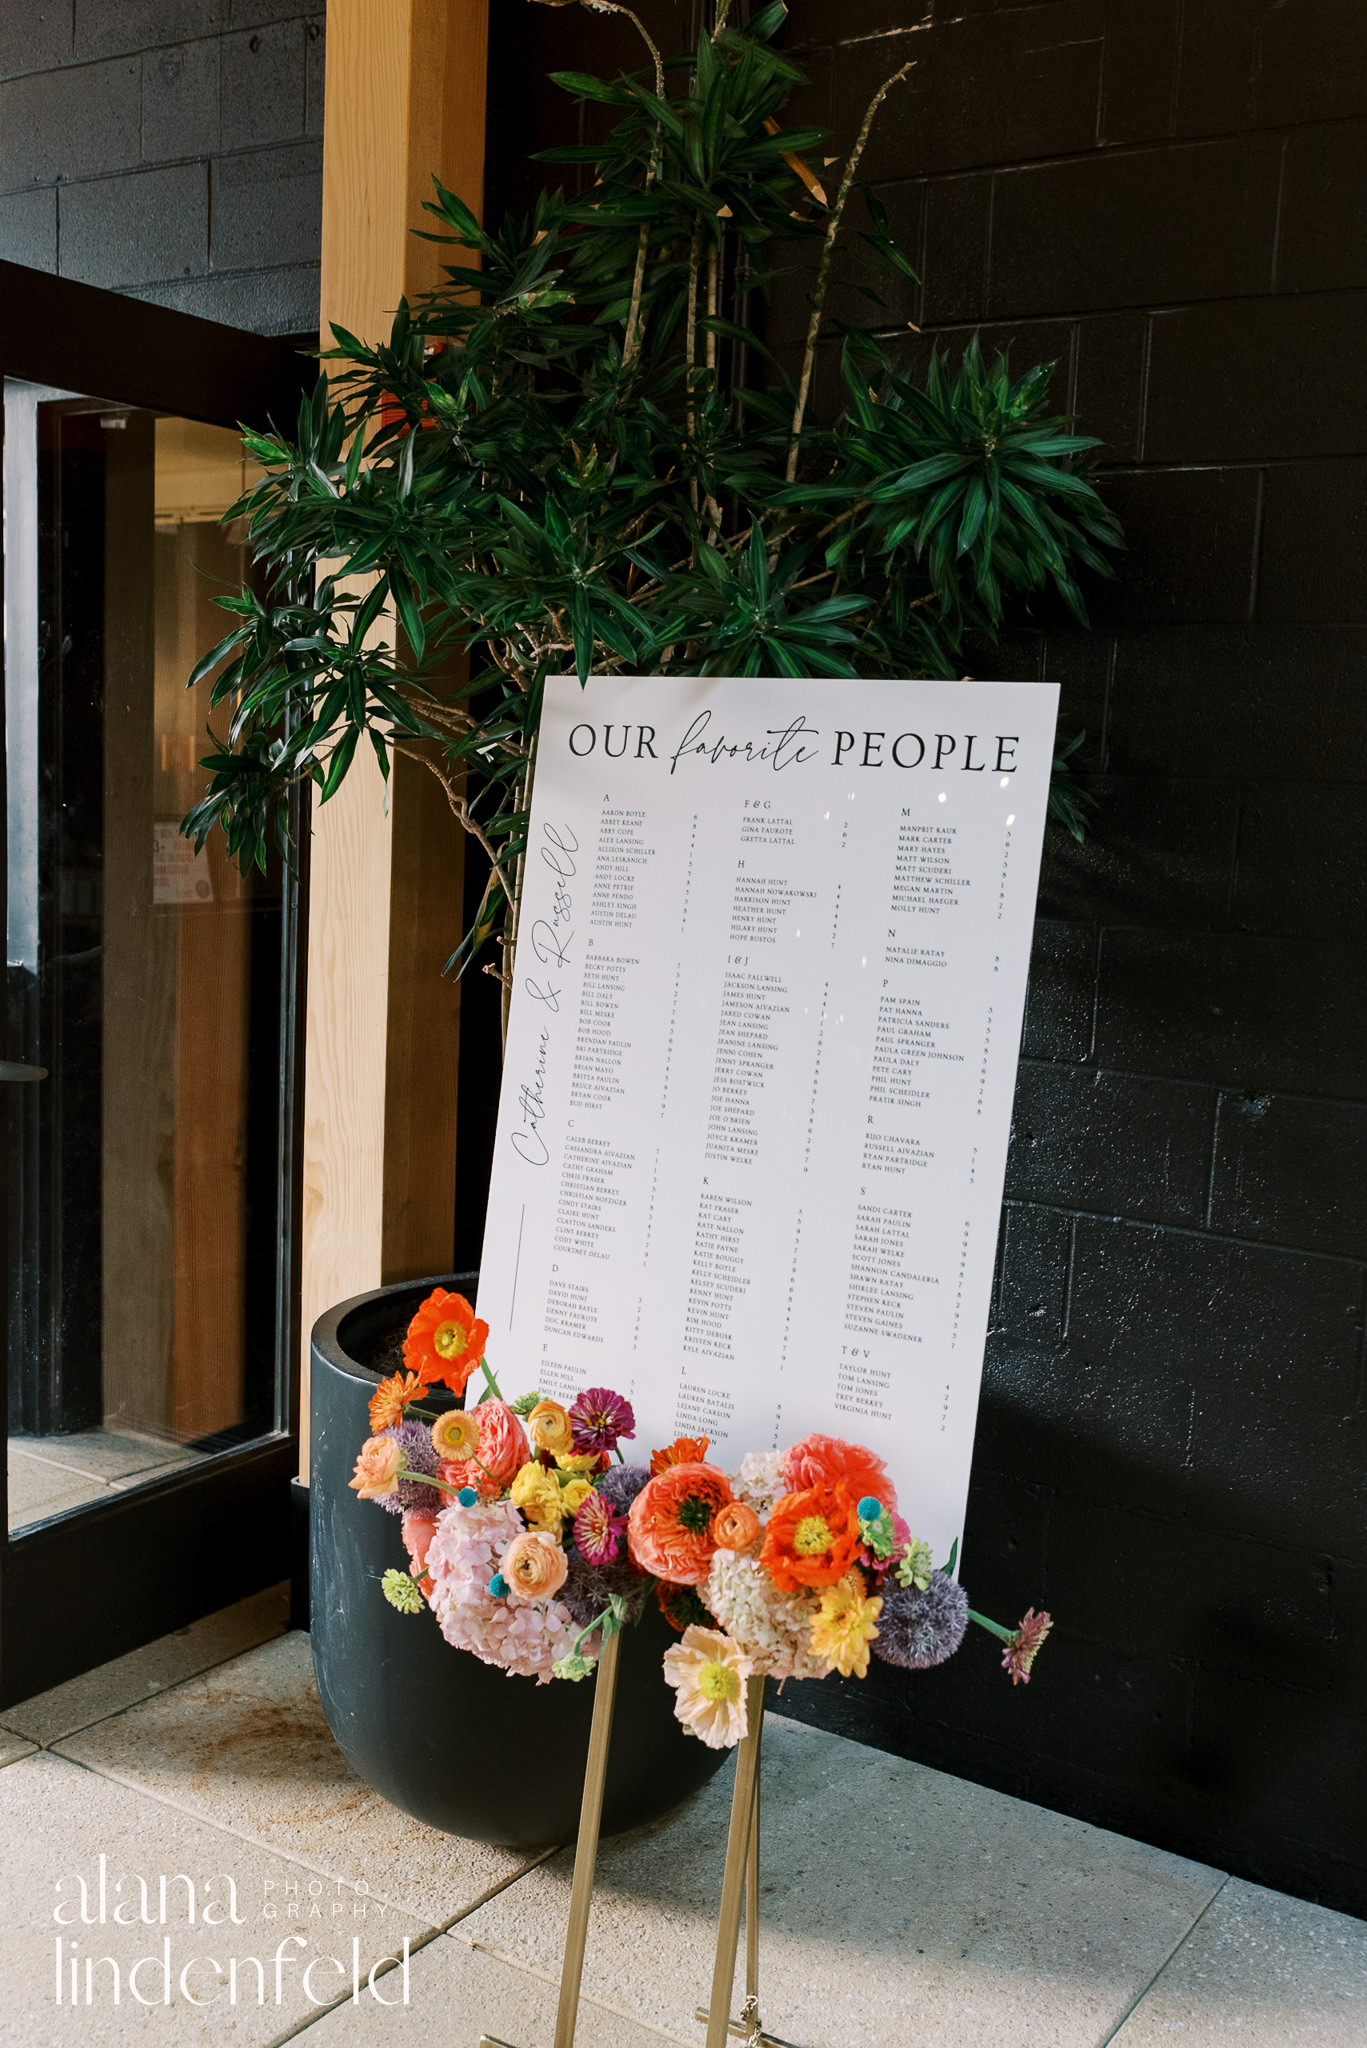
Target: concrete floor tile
<point>899,1905</point>
<point>1261,1970</point>
<point>13,1746</point>
<point>49,1716</point>
<point>246,1747</point>
<point>56,1821</point>
<point>457,1993</point>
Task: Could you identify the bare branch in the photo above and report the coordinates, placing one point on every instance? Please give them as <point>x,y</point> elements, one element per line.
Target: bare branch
<point>823,268</point>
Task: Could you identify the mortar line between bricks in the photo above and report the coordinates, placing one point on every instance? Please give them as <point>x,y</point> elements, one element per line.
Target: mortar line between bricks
<point>1180,1080</point>
<point>1181,1943</point>
<point>1214,1157</point>
<point>1248,1244</point>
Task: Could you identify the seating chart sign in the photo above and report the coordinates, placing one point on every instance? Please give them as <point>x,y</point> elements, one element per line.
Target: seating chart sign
<point>762,1051</point>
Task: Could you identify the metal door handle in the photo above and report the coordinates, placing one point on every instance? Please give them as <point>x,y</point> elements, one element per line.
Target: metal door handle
<point>14,1070</point>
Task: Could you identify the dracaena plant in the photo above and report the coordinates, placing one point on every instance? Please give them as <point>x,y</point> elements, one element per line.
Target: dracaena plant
<point>578,453</point>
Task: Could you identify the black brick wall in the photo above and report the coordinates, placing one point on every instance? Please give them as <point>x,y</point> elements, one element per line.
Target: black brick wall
<point>1167,197</point>
<point>170,149</point>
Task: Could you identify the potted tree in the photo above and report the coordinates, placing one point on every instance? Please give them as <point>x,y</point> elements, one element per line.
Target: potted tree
<point>584,455</point>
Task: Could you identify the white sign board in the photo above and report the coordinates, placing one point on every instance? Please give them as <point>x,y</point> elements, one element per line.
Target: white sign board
<point>761,1058</point>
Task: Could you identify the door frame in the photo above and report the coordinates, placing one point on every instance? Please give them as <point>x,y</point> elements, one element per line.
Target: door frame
<point>160,1556</point>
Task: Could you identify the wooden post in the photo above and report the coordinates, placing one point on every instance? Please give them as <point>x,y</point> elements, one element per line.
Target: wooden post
<point>405,98</point>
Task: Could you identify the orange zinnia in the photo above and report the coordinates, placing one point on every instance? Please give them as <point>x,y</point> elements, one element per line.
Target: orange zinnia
<point>390,1398</point>
<point>812,1538</point>
<point>445,1340</point>
<point>685,1450</point>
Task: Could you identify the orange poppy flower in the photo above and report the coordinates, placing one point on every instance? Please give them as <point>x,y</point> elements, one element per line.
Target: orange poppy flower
<point>445,1340</point>
<point>685,1450</point>
<point>812,1538</point>
<point>390,1398</point>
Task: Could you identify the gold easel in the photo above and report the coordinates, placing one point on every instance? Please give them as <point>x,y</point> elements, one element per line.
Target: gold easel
<point>740,1878</point>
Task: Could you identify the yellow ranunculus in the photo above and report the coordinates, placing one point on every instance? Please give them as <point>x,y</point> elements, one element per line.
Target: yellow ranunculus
<point>573,1496</point>
<point>550,1429</point>
<point>540,1496</point>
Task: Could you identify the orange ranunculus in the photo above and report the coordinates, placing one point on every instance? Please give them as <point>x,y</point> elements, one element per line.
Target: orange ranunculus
<point>550,1428</point>
<point>812,1538</point>
<point>669,1526</point>
<point>445,1340</point>
<point>685,1450</point>
<point>828,1461</point>
<point>391,1397</point>
<point>379,1468</point>
<point>735,1527</point>
<point>534,1566</point>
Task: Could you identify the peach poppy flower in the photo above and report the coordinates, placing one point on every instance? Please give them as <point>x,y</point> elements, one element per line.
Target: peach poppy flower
<point>391,1397</point>
<point>445,1340</point>
<point>685,1450</point>
<point>812,1538</point>
<point>669,1526</point>
<point>379,1467</point>
<point>708,1672</point>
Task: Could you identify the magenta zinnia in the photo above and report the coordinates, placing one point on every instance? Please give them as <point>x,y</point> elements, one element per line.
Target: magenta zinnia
<point>1025,1645</point>
<point>598,1532</point>
<point>598,1418</point>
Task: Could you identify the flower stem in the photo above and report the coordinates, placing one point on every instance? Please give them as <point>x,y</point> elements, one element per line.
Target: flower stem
<point>493,1386</point>
<point>994,1628</point>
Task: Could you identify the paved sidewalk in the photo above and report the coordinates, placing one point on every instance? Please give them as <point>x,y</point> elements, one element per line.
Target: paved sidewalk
<point>903,1908</point>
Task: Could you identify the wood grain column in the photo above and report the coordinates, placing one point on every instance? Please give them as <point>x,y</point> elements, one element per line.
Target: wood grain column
<point>405,98</point>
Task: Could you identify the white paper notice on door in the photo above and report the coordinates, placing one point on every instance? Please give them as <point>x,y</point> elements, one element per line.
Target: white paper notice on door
<point>761,1058</point>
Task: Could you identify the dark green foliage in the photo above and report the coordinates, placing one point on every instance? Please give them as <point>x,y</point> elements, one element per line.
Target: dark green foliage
<point>581,456</point>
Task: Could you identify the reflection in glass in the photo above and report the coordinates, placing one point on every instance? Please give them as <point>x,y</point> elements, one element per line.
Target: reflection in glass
<point>143,1171</point>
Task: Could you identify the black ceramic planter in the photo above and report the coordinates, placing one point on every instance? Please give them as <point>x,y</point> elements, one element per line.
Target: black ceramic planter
<point>454,1742</point>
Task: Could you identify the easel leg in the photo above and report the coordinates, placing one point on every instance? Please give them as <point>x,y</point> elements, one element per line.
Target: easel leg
<point>742,1854</point>
<point>586,1854</point>
<point>750,2009</point>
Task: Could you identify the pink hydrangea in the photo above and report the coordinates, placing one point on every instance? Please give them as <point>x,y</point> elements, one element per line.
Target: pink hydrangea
<point>463,1556</point>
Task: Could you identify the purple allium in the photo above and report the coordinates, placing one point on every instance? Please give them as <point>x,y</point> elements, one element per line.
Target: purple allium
<point>917,1629</point>
<point>416,1439</point>
<point>620,1485</point>
<point>598,1531</point>
<point>588,1588</point>
<point>598,1417</point>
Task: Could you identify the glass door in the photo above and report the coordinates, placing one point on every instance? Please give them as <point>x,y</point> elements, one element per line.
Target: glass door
<point>148,1081</point>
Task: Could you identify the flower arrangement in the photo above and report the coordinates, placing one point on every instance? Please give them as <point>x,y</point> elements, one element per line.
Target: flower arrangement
<point>533,1541</point>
